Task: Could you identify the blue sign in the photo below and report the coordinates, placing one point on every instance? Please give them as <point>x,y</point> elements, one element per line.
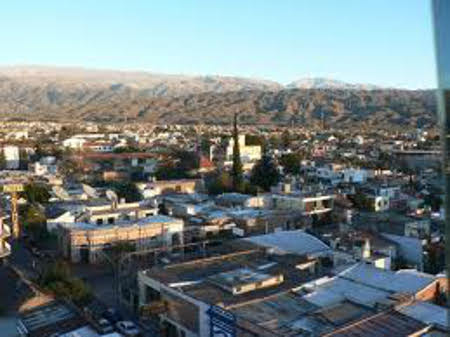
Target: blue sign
<point>222,322</point>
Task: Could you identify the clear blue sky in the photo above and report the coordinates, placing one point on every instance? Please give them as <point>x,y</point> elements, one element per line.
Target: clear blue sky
<point>384,42</point>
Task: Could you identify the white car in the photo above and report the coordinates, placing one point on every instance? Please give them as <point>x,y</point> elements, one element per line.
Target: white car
<point>128,328</point>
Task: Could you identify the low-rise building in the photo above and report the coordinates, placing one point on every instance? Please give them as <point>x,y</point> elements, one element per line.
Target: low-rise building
<point>161,187</point>
<point>85,242</point>
<point>188,295</point>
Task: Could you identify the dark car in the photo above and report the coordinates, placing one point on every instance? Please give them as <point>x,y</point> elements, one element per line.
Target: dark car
<point>112,315</point>
<point>104,326</point>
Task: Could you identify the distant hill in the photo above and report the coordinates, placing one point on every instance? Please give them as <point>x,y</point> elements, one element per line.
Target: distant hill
<point>101,95</point>
<point>325,83</point>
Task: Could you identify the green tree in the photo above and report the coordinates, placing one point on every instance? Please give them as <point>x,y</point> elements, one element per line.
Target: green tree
<point>254,140</point>
<point>220,183</point>
<point>236,170</point>
<point>23,159</point>
<point>291,163</point>
<point>71,168</point>
<point>58,279</point>
<point>127,190</point>
<point>286,139</point>
<point>2,160</point>
<point>35,221</point>
<point>36,193</point>
<point>183,165</point>
<point>265,173</point>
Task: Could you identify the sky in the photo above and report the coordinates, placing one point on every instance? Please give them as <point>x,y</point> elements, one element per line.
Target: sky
<point>382,42</point>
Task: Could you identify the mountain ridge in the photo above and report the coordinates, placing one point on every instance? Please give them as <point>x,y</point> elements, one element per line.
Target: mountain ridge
<point>102,95</point>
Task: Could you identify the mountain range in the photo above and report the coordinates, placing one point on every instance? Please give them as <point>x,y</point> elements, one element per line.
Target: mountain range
<point>40,92</point>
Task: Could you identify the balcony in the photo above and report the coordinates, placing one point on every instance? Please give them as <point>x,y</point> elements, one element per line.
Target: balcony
<point>317,210</point>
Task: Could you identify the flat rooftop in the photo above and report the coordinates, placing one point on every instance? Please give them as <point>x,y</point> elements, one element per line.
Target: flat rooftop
<point>54,317</point>
<point>150,220</point>
<point>193,277</point>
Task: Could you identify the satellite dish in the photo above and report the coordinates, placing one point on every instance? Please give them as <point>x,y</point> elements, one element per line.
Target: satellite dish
<point>111,195</point>
<point>61,193</point>
<point>90,191</point>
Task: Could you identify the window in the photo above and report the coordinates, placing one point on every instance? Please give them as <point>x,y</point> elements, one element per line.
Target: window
<point>152,295</point>
<point>99,221</point>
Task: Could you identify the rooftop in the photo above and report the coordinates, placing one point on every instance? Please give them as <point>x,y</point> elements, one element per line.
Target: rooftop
<point>404,281</point>
<point>147,221</point>
<point>388,323</point>
<point>294,242</point>
<point>194,277</point>
<point>54,317</point>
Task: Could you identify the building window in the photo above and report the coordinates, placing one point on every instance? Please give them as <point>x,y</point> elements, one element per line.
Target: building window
<point>152,295</point>
<point>99,221</point>
<point>111,220</point>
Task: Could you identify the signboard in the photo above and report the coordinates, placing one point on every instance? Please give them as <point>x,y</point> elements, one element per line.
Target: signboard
<point>222,322</point>
<point>10,188</point>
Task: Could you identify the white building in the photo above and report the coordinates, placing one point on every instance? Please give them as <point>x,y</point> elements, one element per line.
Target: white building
<point>12,157</point>
<point>248,153</point>
<point>74,142</point>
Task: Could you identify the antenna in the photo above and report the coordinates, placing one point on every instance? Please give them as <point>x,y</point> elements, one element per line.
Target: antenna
<point>111,195</point>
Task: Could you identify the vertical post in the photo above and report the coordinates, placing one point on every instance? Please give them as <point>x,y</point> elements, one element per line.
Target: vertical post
<point>441,17</point>
<point>15,215</point>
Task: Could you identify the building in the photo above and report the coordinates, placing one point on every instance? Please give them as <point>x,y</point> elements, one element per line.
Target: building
<point>161,187</point>
<point>369,286</point>
<point>296,242</point>
<point>85,242</point>
<point>12,157</point>
<point>185,296</point>
<point>5,233</point>
<point>308,204</point>
<point>248,153</point>
<point>55,318</point>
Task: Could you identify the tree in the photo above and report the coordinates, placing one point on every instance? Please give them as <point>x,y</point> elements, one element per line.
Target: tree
<point>291,163</point>
<point>34,221</point>
<point>236,170</point>
<point>182,165</point>
<point>2,160</point>
<point>254,140</point>
<point>265,173</point>
<point>127,190</point>
<point>23,159</point>
<point>221,183</point>
<point>286,139</point>
<point>57,278</point>
<point>71,168</point>
<point>36,193</point>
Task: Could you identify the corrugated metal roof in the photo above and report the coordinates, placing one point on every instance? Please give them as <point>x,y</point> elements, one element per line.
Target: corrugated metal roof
<point>404,281</point>
<point>295,242</point>
<point>384,324</point>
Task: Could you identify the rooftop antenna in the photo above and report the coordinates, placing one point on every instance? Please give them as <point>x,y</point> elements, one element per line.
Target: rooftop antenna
<point>111,195</point>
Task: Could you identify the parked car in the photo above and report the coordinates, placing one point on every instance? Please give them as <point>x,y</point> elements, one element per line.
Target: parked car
<point>112,315</point>
<point>104,326</point>
<point>128,328</point>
